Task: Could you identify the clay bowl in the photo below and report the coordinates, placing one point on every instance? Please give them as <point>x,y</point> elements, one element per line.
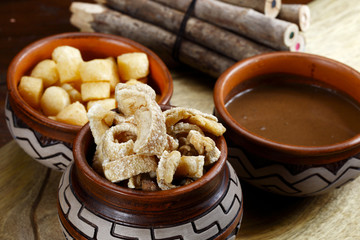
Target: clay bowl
<point>48,141</point>
<point>281,168</point>
<point>91,207</point>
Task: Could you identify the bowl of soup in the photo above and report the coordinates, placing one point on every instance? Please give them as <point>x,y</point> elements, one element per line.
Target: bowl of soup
<point>293,122</point>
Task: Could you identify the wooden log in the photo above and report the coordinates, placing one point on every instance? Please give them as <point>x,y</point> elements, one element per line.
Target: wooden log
<point>300,43</point>
<point>203,33</point>
<point>272,32</point>
<point>96,18</point>
<point>270,8</point>
<point>296,13</point>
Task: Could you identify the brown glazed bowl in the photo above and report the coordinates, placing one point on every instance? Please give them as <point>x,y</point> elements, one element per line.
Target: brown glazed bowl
<point>280,168</point>
<point>91,207</point>
<point>46,140</point>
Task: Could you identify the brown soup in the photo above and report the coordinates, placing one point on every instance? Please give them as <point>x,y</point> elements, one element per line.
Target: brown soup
<point>295,113</point>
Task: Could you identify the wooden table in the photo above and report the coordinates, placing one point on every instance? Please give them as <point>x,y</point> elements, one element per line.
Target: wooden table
<point>28,190</point>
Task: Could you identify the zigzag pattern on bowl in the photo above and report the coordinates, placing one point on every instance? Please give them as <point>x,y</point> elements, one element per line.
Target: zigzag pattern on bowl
<point>206,226</point>
<point>53,154</point>
<point>276,178</point>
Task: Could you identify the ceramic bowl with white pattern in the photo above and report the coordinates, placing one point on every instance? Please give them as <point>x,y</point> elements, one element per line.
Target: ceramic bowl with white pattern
<point>91,207</point>
<point>47,141</point>
<point>292,170</point>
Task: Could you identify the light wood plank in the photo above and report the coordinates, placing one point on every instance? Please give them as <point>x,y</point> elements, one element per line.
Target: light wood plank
<point>335,31</point>
<point>21,179</point>
<point>46,214</point>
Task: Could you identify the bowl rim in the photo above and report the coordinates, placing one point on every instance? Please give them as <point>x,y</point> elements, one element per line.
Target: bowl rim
<point>42,119</point>
<point>81,163</point>
<point>219,101</point>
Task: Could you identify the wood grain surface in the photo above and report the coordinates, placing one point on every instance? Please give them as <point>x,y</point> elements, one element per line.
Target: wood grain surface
<point>28,190</point>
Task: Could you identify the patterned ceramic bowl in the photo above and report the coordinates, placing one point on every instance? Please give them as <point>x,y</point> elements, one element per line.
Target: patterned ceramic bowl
<point>283,168</point>
<point>48,141</point>
<point>91,207</point>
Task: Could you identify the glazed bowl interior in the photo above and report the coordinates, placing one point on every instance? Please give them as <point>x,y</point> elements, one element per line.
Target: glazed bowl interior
<point>323,70</point>
<point>91,46</point>
<point>84,148</point>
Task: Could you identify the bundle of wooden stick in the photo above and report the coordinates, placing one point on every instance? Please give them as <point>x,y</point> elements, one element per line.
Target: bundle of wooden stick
<point>209,35</point>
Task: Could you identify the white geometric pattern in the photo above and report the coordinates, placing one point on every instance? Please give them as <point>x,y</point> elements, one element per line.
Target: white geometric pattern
<point>66,234</point>
<point>208,226</point>
<point>277,178</point>
<point>55,155</point>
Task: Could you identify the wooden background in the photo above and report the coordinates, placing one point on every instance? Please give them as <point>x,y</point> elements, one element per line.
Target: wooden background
<point>28,190</point>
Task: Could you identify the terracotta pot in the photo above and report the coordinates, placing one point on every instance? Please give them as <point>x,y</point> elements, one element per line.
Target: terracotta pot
<point>48,141</point>
<point>282,168</point>
<point>91,207</point>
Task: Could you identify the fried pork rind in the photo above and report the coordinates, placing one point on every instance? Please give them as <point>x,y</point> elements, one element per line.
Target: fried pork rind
<point>119,119</point>
<point>147,184</point>
<point>130,98</point>
<point>171,143</point>
<point>190,166</point>
<point>143,182</point>
<point>115,143</point>
<point>204,146</point>
<point>151,149</point>
<point>130,101</point>
<point>129,166</point>
<point>151,131</point>
<point>207,122</point>
<point>135,181</point>
<point>98,160</point>
<point>139,100</point>
<point>167,166</point>
<point>99,121</point>
<point>138,87</point>
<point>183,129</point>
<point>118,141</point>
<point>187,150</point>
<point>208,125</point>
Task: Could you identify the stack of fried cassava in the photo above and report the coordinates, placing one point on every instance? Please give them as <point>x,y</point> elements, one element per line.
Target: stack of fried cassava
<point>208,35</point>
